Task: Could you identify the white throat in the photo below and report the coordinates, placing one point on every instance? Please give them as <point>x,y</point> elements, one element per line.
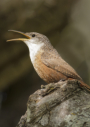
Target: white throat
<point>34,48</point>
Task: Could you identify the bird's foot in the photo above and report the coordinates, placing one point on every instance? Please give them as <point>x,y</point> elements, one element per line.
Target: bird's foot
<point>62,80</point>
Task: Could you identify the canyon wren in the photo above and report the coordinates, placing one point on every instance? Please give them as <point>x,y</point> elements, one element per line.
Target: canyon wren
<point>46,60</point>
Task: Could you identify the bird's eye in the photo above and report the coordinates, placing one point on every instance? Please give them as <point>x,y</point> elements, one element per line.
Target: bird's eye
<point>33,35</point>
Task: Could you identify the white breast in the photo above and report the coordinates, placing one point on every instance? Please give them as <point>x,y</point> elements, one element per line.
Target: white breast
<point>34,48</point>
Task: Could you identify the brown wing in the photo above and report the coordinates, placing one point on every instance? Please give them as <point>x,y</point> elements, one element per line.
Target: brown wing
<point>54,61</point>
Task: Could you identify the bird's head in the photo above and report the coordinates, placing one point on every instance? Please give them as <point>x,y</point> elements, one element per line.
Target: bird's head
<point>31,38</point>
<point>34,41</point>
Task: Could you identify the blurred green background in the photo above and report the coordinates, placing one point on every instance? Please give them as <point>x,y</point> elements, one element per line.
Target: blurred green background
<point>65,22</point>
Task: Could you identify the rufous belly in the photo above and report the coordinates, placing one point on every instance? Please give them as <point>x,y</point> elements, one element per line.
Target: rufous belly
<point>47,74</point>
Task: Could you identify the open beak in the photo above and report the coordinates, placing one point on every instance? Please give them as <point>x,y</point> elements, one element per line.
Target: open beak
<point>19,39</point>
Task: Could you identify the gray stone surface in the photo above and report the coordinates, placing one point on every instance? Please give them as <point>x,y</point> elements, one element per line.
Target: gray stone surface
<point>63,104</point>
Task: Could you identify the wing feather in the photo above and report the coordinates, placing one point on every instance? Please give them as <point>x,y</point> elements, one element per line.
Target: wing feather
<point>53,60</point>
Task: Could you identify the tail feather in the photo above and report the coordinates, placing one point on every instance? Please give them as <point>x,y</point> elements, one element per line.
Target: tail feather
<point>84,85</point>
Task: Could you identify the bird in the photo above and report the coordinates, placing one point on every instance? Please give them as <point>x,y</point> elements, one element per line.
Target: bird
<point>47,62</point>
